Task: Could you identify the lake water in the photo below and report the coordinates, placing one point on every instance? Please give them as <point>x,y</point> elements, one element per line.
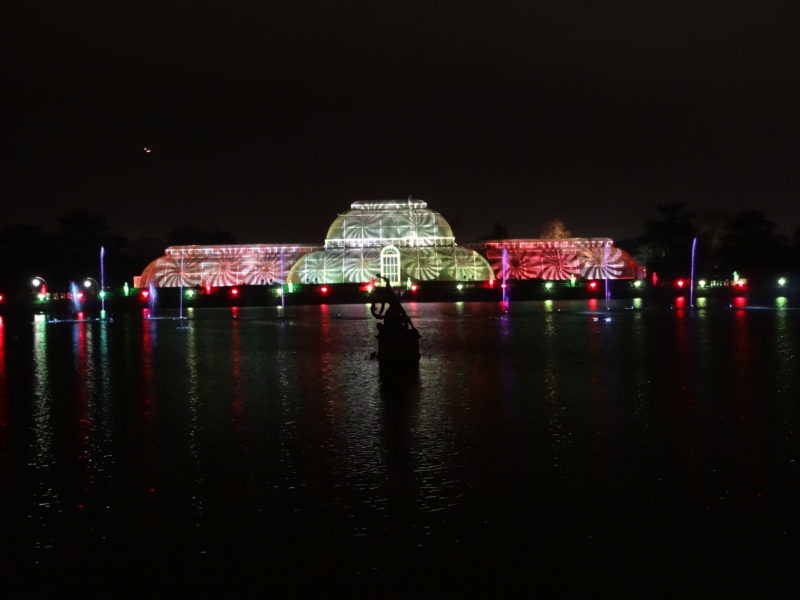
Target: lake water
<point>547,449</point>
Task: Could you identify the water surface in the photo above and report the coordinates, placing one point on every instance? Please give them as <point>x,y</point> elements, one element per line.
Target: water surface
<point>553,445</point>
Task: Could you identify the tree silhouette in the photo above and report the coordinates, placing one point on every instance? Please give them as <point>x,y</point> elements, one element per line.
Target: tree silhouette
<point>554,230</point>
<point>667,241</point>
<point>499,232</point>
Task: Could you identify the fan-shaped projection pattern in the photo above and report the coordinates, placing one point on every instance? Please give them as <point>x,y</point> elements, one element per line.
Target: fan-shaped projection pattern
<point>174,272</point>
<point>558,263</point>
<point>421,264</point>
<point>520,263</point>
<point>323,266</point>
<point>361,226</point>
<point>219,271</point>
<point>419,225</point>
<point>465,265</point>
<point>602,262</point>
<point>261,269</point>
<point>361,266</point>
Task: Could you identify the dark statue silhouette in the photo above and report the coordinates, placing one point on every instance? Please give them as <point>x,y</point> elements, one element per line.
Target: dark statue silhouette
<point>398,339</point>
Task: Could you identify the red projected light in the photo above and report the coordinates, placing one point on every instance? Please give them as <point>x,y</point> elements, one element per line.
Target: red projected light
<point>740,284</point>
<point>414,287</point>
<point>324,289</point>
<point>2,297</point>
<point>144,294</point>
<point>592,285</point>
<point>234,292</point>
<point>80,295</point>
<point>680,283</point>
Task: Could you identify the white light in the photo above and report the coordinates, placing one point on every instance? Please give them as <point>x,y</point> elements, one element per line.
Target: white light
<point>87,283</point>
<point>36,282</point>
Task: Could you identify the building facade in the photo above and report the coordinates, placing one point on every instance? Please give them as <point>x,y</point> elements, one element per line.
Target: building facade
<point>398,239</point>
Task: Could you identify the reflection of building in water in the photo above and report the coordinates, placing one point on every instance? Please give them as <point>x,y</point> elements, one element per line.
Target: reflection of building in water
<point>398,239</point>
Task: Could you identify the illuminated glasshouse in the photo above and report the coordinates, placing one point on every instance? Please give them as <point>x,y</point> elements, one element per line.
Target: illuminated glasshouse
<point>398,239</point>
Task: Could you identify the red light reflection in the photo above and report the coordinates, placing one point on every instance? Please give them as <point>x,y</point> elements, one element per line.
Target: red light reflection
<point>3,409</point>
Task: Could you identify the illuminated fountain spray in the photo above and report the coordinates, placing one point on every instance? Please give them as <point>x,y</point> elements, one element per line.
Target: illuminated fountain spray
<point>76,300</point>
<point>180,293</point>
<point>691,274</point>
<point>605,273</point>
<point>102,283</point>
<point>504,273</point>
<point>151,299</point>
<point>283,299</point>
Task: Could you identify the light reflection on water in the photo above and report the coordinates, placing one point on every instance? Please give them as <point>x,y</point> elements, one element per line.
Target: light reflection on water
<point>256,439</point>
<point>3,399</point>
<point>45,502</point>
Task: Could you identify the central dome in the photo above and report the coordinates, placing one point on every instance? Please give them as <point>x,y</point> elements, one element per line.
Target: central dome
<point>398,239</point>
<point>408,223</point>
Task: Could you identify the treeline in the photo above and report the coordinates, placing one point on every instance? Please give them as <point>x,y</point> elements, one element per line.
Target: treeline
<point>746,242</point>
<point>72,251</point>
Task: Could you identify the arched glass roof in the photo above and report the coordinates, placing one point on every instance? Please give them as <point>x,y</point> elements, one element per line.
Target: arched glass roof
<point>404,223</point>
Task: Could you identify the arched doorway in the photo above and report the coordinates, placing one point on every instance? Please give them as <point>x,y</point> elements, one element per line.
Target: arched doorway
<point>390,264</point>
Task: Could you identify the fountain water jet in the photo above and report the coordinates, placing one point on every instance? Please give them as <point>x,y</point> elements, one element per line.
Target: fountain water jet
<point>283,299</point>
<point>151,299</point>
<point>180,293</point>
<point>504,274</point>
<point>691,274</point>
<point>76,300</point>
<point>605,274</point>
<point>102,283</point>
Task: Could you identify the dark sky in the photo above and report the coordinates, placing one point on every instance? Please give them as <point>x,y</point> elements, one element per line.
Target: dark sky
<point>266,119</point>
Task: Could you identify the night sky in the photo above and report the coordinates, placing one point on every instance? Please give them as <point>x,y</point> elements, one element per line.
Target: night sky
<point>266,119</point>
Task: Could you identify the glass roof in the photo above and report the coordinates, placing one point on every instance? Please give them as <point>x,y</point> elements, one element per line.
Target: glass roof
<point>397,222</point>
